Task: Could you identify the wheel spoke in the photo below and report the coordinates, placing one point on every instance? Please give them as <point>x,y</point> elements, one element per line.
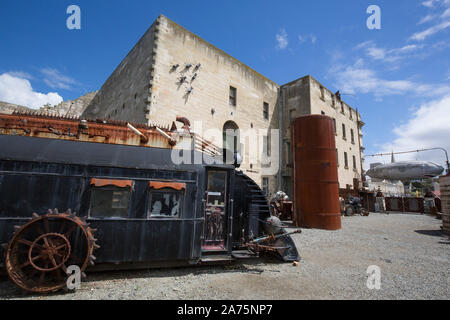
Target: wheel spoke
<point>32,259</point>
<point>61,246</point>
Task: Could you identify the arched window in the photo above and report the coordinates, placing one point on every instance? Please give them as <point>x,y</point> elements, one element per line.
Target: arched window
<point>231,139</point>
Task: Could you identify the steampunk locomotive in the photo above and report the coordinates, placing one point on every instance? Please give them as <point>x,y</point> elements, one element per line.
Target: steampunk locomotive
<point>120,200</point>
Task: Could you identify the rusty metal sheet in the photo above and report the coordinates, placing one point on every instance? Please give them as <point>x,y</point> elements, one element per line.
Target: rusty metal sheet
<point>315,183</point>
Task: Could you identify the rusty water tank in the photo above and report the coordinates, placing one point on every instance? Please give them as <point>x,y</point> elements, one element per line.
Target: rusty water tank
<point>315,173</point>
<point>444,184</point>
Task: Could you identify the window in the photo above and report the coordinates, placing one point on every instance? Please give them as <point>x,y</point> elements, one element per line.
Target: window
<point>352,136</point>
<point>342,108</point>
<point>351,112</point>
<point>266,145</point>
<point>165,203</point>
<point>333,101</point>
<point>322,93</point>
<point>323,113</point>
<point>335,128</point>
<point>165,199</point>
<point>265,185</point>
<point>110,198</point>
<point>233,96</point>
<point>354,163</point>
<point>266,110</point>
<point>344,134</point>
<point>345,160</point>
<point>337,157</point>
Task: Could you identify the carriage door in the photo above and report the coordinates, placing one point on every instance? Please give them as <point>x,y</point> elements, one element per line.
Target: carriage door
<point>215,227</point>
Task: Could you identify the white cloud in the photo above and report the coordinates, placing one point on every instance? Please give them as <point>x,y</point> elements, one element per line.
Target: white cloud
<point>282,39</point>
<point>18,90</point>
<point>355,78</point>
<point>20,74</point>
<point>388,55</point>
<point>420,36</point>
<point>442,19</point>
<point>309,37</point>
<point>428,127</point>
<point>56,80</point>
<point>426,19</point>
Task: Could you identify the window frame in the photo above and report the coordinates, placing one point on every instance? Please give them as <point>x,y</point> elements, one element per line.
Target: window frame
<point>265,185</point>
<point>166,190</point>
<point>345,160</point>
<point>266,110</point>
<point>232,99</point>
<point>112,188</point>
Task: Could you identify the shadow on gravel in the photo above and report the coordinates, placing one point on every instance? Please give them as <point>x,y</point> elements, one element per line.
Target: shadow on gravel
<point>433,233</point>
<point>249,267</point>
<point>10,291</point>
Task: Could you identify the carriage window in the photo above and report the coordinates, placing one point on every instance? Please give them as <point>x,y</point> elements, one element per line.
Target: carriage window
<point>165,203</point>
<point>110,198</point>
<point>110,202</point>
<point>166,199</point>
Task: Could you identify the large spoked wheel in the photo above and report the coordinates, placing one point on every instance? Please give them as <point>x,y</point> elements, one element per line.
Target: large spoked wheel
<point>40,251</point>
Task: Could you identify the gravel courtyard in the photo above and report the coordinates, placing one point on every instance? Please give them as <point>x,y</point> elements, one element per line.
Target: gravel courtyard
<point>410,250</point>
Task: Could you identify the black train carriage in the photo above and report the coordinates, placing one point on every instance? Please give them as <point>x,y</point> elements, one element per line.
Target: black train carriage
<point>128,203</point>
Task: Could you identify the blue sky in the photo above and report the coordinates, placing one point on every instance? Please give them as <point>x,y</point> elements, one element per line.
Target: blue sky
<point>398,77</point>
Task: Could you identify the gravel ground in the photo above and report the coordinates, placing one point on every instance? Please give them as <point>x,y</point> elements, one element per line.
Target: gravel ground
<point>410,250</point>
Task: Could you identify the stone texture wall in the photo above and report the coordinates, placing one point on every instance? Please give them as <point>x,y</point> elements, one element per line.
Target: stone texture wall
<point>210,82</point>
<point>344,114</point>
<point>9,108</point>
<point>307,96</point>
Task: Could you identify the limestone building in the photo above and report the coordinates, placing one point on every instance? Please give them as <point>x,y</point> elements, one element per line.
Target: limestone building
<point>172,72</point>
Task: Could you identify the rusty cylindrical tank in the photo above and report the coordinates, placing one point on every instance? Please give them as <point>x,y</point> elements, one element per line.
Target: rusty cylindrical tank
<point>444,184</point>
<point>315,174</point>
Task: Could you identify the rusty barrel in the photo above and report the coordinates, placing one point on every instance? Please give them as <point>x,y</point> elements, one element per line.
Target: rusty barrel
<point>444,185</point>
<point>315,174</point>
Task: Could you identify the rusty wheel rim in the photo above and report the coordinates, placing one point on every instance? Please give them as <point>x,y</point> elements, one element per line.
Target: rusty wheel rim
<point>53,248</point>
<point>40,251</point>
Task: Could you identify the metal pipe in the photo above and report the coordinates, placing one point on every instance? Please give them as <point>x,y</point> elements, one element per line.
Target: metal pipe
<point>171,140</point>
<point>143,136</point>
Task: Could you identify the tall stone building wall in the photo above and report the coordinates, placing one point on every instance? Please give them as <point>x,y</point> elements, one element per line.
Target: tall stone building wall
<point>307,96</point>
<point>325,102</point>
<point>209,76</point>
